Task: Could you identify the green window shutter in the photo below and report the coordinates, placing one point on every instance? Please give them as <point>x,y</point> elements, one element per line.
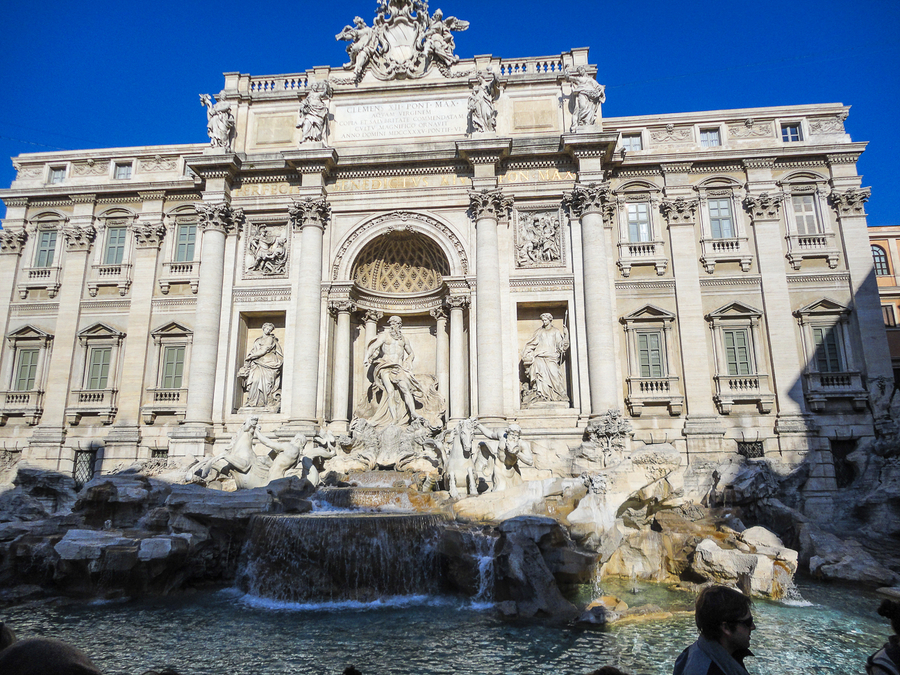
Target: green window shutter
<point>115,246</point>
<point>737,352</point>
<point>184,247</point>
<point>173,367</point>
<point>26,369</point>
<point>828,356</point>
<point>46,248</point>
<point>650,354</point>
<point>98,375</point>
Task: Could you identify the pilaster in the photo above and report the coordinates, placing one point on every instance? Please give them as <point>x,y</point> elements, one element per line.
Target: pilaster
<point>340,388</point>
<point>459,366</point>
<point>702,427</point>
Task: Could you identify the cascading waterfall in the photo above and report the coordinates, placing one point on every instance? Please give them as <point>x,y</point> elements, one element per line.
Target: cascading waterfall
<point>484,554</point>
<point>331,557</point>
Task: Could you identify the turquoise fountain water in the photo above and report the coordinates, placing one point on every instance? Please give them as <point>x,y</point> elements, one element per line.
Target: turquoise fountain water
<point>230,632</point>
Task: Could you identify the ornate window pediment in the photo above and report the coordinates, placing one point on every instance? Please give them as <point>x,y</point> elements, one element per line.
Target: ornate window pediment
<point>735,310</point>
<point>100,331</point>
<point>30,333</point>
<point>649,313</point>
<point>25,366</point>
<point>173,329</point>
<point>400,263</point>
<point>648,334</point>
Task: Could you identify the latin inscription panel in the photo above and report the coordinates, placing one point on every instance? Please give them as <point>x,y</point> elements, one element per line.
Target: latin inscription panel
<point>401,119</point>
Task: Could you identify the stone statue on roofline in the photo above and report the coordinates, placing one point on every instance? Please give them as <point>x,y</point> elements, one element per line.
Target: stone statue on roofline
<point>482,113</point>
<point>314,112</point>
<point>220,124</point>
<point>588,94</point>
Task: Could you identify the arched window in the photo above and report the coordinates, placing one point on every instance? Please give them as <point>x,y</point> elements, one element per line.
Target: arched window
<point>881,262</point>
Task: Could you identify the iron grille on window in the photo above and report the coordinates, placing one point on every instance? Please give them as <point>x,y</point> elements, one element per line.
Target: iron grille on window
<point>84,467</point>
<point>751,449</point>
<point>159,453</point>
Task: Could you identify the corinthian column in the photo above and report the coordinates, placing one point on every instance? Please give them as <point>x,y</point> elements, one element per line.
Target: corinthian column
<point>340,386</point>
<point>459,367</point>
<point>309,216</point>
<point>589,203</point>
<point>216,222</point>
<point>487,206</point>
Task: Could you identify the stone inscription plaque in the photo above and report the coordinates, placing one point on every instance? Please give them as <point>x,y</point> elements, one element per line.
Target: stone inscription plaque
<point>373,121</point>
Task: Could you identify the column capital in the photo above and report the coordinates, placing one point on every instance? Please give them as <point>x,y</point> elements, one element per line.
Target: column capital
<point>764,206</point>
<point>373,315</point>
<point>221,216</point>
<point>590,198</point>
<point>489,204</point>
<point>850,202</point>
<point>79,237</point>
<point>341,307</point>
<point>12,241</point>
<point>310,212</point>
<point>679,211</point>
<point>457,301</point>
<point>439,313</point>
<point>148,235</point>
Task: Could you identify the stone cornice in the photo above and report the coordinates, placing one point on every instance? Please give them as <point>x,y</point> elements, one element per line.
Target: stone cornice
<point>311,161</point>
<point>679,211</point>
<point>310,212</point>
<point>489,204</point>
<point>590,198</point>
<point>850,202</point>
<point>215,165</point>
<point>221,217</point>
<point>585,145</point>
<point>484,150</point>
<point>764,206</point>
<point>148,235</point>
<point>79,237</point>
<point>12,241</point>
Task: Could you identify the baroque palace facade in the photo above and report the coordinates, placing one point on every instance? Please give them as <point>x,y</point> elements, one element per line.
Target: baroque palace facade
<point>706,274</point>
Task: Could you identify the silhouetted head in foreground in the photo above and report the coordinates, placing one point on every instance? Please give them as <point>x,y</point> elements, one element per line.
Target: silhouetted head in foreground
<point>890,609</point>
<point>43,656</point>
<point>7,637</point>
<point>350,670</point>
<point>607,670</point>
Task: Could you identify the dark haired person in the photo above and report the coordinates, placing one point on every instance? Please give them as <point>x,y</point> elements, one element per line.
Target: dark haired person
<point>607,670</point>
<point>43,656</point>
<point>723,617</point>
<point>886,661</point>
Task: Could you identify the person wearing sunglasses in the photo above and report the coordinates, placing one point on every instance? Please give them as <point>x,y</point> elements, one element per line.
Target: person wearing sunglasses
<point>723,617</point>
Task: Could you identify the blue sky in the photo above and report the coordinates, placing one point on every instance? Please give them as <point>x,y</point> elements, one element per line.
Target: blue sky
<point>109,74</point>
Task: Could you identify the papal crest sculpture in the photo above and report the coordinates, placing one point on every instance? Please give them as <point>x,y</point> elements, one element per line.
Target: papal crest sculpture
<point>404,41</point>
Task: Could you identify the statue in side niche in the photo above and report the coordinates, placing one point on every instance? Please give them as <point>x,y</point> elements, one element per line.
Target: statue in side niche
<point>482,114</point>
<point>261,372</point>
<point>439,44</point>
<point>363,45</point>
<point>589,94</point>
<point>220,124</point>
<point>544,359</point>
<point>314,112</point>
<point>510,450</point>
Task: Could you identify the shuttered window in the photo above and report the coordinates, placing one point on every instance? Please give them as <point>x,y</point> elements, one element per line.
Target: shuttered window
<point>737,351</point>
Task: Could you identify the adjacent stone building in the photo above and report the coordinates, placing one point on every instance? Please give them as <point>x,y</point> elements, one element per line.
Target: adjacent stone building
<point>885,242</point>
<point>708,274</point>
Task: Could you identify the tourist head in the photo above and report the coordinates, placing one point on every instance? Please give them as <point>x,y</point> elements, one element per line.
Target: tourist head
<point>723,614</point>
<point>607,670</point>
<point>7,637</point>
<point>350,670</point>
<point>890,609</point>
<point>40,656</point>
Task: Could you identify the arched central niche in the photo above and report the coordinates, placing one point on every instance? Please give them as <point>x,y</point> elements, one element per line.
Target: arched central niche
<point>400,263</point>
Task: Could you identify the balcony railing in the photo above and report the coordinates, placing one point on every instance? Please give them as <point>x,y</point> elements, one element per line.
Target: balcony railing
<point>818,245</point>
<point>820,387</point>
<point>633,253</point>
<point>27,404</point>
<point>731,389</point>
<point>731,249</point>
<point>643,391</point>
<point>180,273</point>
<point>109,275</point>
<point>164,401</point>
<point>99,402</point>
<point>38,278</point>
